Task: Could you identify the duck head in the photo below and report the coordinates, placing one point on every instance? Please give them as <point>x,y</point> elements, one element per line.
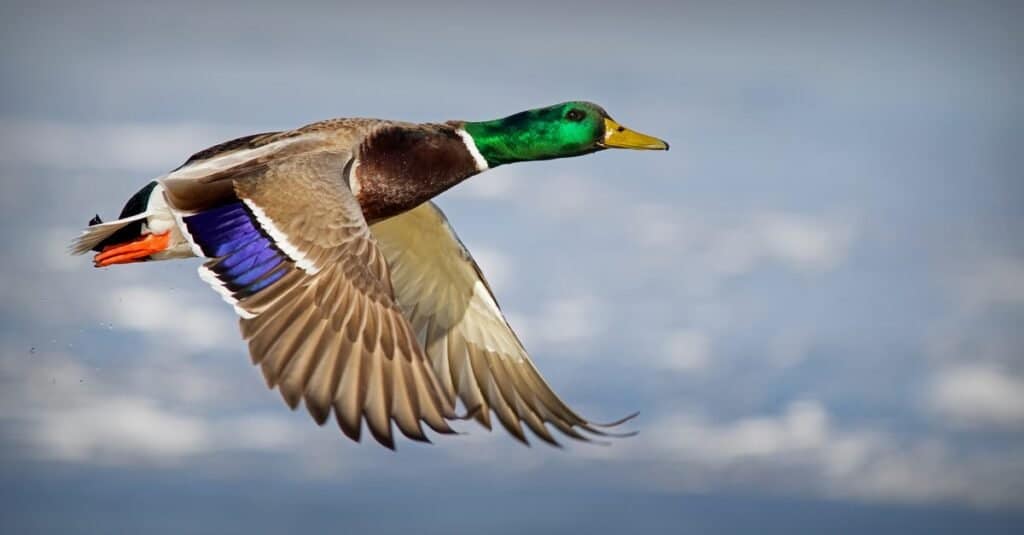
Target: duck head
<point>559,131</point>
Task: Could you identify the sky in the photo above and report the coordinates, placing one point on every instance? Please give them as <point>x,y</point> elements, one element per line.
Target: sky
<point>814,299</point>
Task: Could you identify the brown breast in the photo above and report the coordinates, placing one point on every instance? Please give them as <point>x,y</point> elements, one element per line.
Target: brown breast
<point>399,167</point>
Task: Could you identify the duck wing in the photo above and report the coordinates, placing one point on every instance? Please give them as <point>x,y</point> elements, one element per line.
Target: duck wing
<point>290,249</point>
<point>475,354</point>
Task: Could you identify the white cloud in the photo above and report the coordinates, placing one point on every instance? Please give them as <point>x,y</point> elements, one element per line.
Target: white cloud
<point>800,451</point>
<point>105,429</point>
<point>800,242</point>
<point>803,426</point>
<point>175,315</point>
<point>118,430</point>
<point>698,250</point>
<point>78,414</point>
<point>976,395</point>
<point>714,248</point>
<point>686,350</point>
<point>569,320</point>
<point>804,243</point>
<point>72,416</point>
<point>140,147</point>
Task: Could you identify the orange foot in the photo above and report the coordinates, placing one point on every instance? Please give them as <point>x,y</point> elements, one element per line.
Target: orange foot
<point>133,251</point>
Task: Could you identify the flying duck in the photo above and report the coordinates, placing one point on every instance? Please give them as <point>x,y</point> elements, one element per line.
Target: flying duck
<point>354,293</point>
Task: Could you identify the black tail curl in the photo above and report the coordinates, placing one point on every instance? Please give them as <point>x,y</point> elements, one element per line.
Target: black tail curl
<point>135,205</point>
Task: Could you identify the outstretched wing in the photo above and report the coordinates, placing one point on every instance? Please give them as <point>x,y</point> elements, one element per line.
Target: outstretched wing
<point>291,251</point>
<point>475,354</point>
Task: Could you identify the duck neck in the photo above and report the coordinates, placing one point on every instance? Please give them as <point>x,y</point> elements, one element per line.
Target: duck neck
<point>531,135</point>
<point>501,141</point>
<point>491,140</point>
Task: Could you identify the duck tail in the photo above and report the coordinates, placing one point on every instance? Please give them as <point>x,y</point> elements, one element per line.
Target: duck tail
<point>99,234</point>
<point>123,240</point>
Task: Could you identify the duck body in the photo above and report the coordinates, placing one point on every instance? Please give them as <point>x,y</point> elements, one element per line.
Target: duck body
<point>354,293</point>
<point>393,167</point>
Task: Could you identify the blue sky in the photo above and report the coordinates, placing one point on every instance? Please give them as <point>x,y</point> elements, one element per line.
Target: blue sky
<point>814,299</point>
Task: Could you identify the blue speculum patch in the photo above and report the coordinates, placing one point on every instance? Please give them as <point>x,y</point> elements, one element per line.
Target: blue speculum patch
<point>247,259</point>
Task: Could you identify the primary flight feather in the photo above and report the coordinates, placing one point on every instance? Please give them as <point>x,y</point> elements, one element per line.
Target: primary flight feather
<point>355,295</point>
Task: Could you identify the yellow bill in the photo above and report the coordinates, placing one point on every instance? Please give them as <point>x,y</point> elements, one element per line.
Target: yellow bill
<point>619,137</point>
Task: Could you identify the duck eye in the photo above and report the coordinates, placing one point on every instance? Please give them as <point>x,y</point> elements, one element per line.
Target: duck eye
<point>575,115</point>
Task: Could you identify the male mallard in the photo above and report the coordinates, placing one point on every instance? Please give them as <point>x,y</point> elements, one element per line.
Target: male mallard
<point>353,290</point>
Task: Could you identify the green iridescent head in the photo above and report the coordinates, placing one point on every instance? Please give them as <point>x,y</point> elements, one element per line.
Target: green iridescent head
<point>559,131</point>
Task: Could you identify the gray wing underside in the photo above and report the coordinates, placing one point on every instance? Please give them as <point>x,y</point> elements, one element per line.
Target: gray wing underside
<point>475,354</point>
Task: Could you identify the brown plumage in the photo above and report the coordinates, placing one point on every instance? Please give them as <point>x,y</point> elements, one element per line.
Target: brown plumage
<point>432,160</point>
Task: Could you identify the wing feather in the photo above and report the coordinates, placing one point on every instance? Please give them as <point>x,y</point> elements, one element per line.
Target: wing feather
<point>475,355</point>
<point>313,289</point>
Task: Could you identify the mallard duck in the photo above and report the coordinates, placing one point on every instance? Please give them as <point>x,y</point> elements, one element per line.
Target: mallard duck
<point>354,293</point>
